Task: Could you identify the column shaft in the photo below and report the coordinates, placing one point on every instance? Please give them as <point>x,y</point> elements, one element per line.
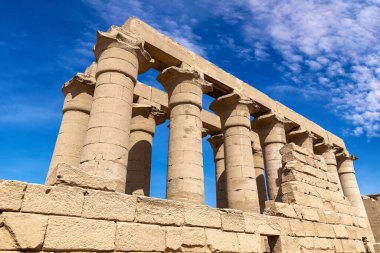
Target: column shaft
<point>78,94</point>
<point>185,180</point>
<point>217,144</point>
<point>105,152</point>
<point>350,185</point>
<point>241,187</point>
<point>272,135</point>
<point>258,161</point>
<point>143,126</point>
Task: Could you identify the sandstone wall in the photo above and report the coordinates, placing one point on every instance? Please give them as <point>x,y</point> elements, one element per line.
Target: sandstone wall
<point>372,206</point>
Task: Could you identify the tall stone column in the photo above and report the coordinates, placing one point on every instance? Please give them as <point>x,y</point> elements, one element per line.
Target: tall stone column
<point>234,112</point>
<point>78,93</point>
<point>217,144</point>
<point>302,138</point>
<point>349,184</point>
<point>185,180</point>
<point>143,126</point>
<point>258,161</point>
<point>271,129</point>
<point>328,153</point>
<point>120,57</point>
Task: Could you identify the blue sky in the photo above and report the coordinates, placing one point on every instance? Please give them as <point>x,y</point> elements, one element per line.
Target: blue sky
<point>320,58</point>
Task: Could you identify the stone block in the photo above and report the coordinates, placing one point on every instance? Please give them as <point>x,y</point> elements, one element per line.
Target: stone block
<point>109,206</point>
<point>324,230</point>
<point>185,239</point>
<point>340,231</point>
<point>139,237</point>
<point>307,213</point>
<point>353,232</point>
<point>302,199</point>
<point>219,241</point>
<point>349,246</point>
<point>290,244</point>
<point>324,243</point>
<point>296,228</point>
<point>22,231</point>
<point>249,242</point>
<point>331,217</point>
<point>11,195</point>
<point>232,220</point>
<point>280,209</point>
<point>337,244</point>
<point>62,200</point>
<point>64,174</point>
<point>202,216</point>
<point>309,228</point>
<point>259,224</point>
<point>307,243</point>
<point>158,211</point>
<point>78,234</point>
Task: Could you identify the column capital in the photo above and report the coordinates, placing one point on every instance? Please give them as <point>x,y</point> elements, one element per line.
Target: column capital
<point>234,109</point>
<point>346,163</point>
<point>216,140</point>
<point>141,112</point>
<point>117,37</point>
<point>322,147</point>
<point>74,89</point>
<point>184,85</point>
<point>302,133</point>
<point>172,76</point>
<point>268,120</point>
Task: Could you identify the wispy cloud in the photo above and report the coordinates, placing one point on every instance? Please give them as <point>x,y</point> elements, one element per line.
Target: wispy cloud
<point>332,46</point>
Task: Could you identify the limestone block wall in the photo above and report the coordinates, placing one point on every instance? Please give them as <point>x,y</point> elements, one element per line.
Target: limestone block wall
<point>372,206</point>
<point>313,218</point>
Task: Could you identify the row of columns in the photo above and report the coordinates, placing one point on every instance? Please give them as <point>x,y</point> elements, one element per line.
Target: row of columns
<point>106,135</point>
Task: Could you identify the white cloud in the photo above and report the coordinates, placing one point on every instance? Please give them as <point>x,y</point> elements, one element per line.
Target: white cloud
<point>336,40</point>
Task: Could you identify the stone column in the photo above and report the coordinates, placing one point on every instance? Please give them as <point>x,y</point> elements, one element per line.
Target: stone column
<point>78,93</point>
<point>271,129</point>
<point>234,112</point>
<point>349,184</point>
<point>120,57</point>
<point>217,144</point>
<point>302,138</point>
<point>328,153</point>
<point>143,126</point>
<point>185,180</point>
<point>258,161</point>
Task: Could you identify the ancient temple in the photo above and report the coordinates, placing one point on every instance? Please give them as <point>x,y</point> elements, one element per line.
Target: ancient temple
<point>283,183</point>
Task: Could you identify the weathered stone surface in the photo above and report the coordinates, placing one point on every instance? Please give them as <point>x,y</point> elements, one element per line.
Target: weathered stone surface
<point>185,239</point>
<point>281,209</point>
<point>109,205</point>
<point>11,195</point>
<point>27,230</point>
<point>77,234</point>
<point>258,224</point>
<point>249,242</point>
<point>232,220</point>
<point>139,237</point>
<point>219,241</point>
<point>53,200</point>
<point>65,174</point>
<point>157,211</point>
<point>340,231</point>
<point>324,230</point>
<point>202,216</point>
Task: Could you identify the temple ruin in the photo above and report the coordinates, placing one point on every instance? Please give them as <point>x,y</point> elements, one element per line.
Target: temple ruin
<point>283,183</point>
